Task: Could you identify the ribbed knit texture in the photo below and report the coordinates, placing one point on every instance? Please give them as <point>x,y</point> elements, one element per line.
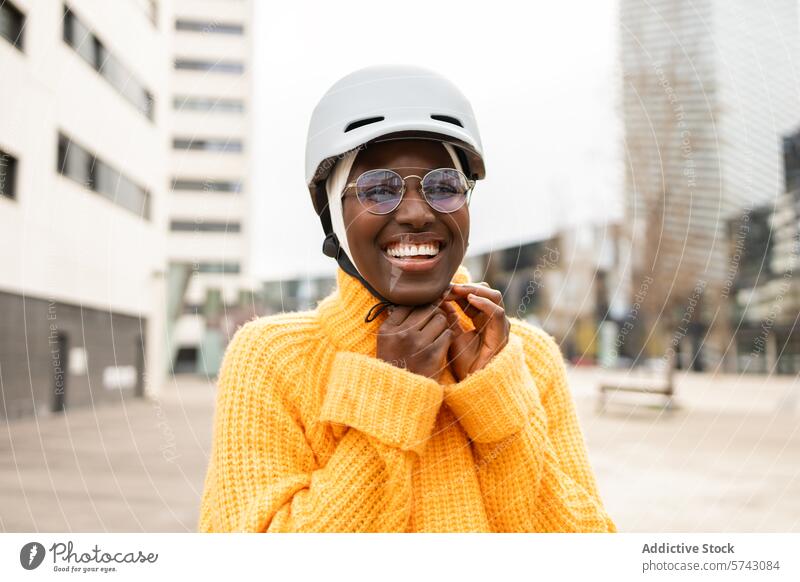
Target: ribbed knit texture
<point>313,433</point>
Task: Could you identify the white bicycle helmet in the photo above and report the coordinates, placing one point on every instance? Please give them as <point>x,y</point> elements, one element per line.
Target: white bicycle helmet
<point>386,99</point>
<point>381,102</point>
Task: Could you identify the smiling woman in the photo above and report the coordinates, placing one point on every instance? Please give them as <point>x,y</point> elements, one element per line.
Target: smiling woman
<point>407,401</point>
<point>411,252</point>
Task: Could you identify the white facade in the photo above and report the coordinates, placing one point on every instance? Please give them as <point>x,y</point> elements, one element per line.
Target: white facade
<point>63,241</point>
<point>208,209</point>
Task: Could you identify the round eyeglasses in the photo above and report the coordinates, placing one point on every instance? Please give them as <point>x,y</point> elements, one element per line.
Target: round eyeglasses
<point>381,191</point>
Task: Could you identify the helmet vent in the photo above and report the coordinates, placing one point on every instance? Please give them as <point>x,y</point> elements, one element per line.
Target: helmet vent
<point>447,119</point>
<point>362,122</point>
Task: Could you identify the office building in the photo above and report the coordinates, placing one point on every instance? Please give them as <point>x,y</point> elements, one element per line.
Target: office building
<point>83,179</point>
<point>210,292</point>
<point>709,91</point>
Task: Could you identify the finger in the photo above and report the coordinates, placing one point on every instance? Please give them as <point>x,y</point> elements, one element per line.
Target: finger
<point>420,316</point>
<point>435,325</point>
<point>481,290</point>
<point>464,304</point>
<point>452,318</point>
<point>398,314</point>
<point>441,345</point>
<point>483,304</point>
<point>443,342</point>
<point>466,343</point>
<point>489,312</point>
<point>450,311</point>
<point>451,295</point>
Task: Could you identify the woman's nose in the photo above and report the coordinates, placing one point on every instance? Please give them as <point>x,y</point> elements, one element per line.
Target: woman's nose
<point>414,209</point>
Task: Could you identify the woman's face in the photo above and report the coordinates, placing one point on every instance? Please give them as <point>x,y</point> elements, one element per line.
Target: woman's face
<point>405,281</point>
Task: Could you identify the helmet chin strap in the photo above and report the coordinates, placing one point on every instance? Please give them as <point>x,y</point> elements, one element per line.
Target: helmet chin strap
<point>332,248</point>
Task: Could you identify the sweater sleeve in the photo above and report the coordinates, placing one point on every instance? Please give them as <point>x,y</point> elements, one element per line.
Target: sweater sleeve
<point>530,454</point>
<point>264,477</point>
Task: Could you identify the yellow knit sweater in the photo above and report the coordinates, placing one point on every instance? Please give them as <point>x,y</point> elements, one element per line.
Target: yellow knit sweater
<point>314,433</point>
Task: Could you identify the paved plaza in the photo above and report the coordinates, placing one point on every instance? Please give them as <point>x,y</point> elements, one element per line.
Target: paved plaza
<point>727,458</point>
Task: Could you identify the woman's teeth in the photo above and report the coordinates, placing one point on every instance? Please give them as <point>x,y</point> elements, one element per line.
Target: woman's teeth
<point>405,250</point>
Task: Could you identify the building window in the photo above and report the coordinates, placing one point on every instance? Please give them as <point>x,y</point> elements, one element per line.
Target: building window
<point>81,166</point>
<point>97,56</point>
<point>192,309</point>
<point>231,67</point>
<point>208,27</point>
<point>12,23</point>
<point>208,104</point>
<point>8,175</point>
<point>219,268</point>
<point>201,226</point>
<point>206,185</point>
<point>208,145</point>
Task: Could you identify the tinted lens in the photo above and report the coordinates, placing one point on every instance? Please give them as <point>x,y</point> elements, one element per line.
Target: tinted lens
<point>445,189</point>
<point>379,190</point>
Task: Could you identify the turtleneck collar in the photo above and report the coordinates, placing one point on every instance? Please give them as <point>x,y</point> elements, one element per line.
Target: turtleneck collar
<point>342,313</point>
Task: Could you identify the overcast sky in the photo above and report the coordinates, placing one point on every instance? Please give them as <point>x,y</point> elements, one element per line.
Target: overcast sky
<point>541,79</point>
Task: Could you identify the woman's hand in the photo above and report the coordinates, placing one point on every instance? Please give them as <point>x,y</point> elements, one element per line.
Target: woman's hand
<point>416,338</point>
<point>471,350</point>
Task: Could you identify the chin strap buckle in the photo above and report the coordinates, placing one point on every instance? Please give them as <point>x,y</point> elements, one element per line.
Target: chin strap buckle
<point>330,246</point>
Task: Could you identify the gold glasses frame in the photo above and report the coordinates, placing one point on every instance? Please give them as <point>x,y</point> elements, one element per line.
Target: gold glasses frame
<point>470,187</point>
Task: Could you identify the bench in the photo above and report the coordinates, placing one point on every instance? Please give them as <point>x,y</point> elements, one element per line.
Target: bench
<point>662,390</point>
